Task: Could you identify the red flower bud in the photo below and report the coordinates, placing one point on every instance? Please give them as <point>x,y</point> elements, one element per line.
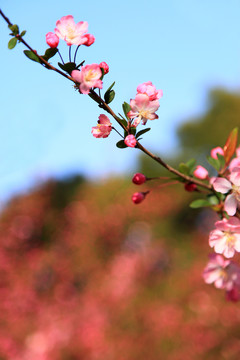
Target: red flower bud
<point>130,141</point>
<point>138,197</point>
<point>139,179</point>
<point>190,186</point>
<point>52,40</point>
<point>90,39</point>
<point>104,66</point>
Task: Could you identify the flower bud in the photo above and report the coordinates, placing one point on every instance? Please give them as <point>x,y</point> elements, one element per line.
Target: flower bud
<point>215,151</point>
<point>233,294</point>
<point>104,66</point>
<point>138,197</point>
<point>139,179</point>
<point>130,141</point>
<point>52,39</point>
<point>190,187</point>
<point>90,39</point>
<point>200,172</point>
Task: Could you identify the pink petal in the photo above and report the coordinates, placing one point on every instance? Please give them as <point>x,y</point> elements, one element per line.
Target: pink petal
<point>230,205</point>
<point>222,185</point>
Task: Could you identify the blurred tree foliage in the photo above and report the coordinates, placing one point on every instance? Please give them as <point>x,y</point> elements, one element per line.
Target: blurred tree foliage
<point>199,135</point>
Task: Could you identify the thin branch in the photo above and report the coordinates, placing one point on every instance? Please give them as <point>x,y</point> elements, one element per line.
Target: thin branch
<point>107,108</point>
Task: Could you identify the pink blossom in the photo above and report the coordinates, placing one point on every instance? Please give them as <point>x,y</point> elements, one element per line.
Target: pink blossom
<point>139,179</point>
<point>73,34</point>
<point>90,39</point>
<point>226,237</point>
<point>200,172</point>
<point>52,40</point>
<point>104,66</point>
<point>143,109</point>
<point>130,141</point>
<point>234,163</point>
<point>104,127</point>
<point>217,272</point>
<point>238,151</point>
<point>138,197</point>
<point>88,77</point>
<point>149,89</point>
<point>215,151</point>
<point>223,186</point>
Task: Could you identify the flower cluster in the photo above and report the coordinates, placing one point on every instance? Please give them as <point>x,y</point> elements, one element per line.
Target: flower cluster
<point>223,188</point>
<point>145,104</point>
<point>225,238</point>
<point>73,34</point>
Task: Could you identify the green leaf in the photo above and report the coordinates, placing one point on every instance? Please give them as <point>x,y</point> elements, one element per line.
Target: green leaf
<point>121,144</point>
<point>191,165</point>
<point>32,56</point>
<point>49,53</point>
<point>199,203</point>
<point>102,73</point>
<point>110,87</point>
<point>123,121</point>
<point>109,96</point>
<point>133,130</point>
<point>221,160</point>
<point>80,64</point>
<point>183,168</point>
<point>23,33</point>
<point>12,43</point>
<point>68,67</point>
<point>141,132</point>
<point>126,108</point>
<point>214,162</point>
<point>14,28</point>
<point>213,199</point>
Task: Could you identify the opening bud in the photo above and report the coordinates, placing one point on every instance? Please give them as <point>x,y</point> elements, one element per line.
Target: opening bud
<point>200,172</point>
<point>130,141</point>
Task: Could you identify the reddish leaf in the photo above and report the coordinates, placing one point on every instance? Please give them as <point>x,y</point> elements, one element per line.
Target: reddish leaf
<point>230,146</point>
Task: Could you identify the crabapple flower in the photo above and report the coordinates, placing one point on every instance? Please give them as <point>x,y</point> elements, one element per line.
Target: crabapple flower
<point>130,141</point>
<point>139,179</point>
<point>138,197</point>
<point>224,274</point>
<point>143,109</point>
<point>104,127</point>
<point>226,237</point>
<point>149,89</point>
<point>52,39</point>
<point>88,77</point>
<point>215,151</point>
<point>223,186</point>
<point>238,151</point>
<point>200,172</point>
<point>234,163</point>
<point>73,34</point>
<point>90,40</point>
<point>104,66</point>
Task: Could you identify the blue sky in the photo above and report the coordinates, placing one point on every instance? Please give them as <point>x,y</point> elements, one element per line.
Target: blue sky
<point>184,47</point>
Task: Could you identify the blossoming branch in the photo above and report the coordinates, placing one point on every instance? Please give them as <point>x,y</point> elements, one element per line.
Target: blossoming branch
<point>221,190</point>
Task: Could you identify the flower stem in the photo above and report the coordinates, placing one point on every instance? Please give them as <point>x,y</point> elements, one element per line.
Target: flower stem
<point>60,56</point>
<point>74,59</point>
